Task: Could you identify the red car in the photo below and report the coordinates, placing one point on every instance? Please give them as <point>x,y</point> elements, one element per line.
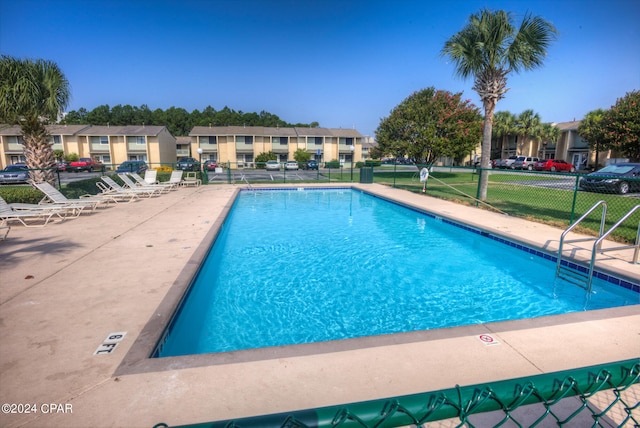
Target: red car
<point>554,165</point>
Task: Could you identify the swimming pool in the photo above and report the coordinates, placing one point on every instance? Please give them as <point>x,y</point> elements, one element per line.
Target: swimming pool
<point>300,266</point>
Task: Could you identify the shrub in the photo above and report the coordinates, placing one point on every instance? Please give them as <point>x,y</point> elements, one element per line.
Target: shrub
<point>78,188</point>
<point>333,164</point>
<point>21,194</point>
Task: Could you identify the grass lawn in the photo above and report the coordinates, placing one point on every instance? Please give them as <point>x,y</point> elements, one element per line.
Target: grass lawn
<point>525,195</point>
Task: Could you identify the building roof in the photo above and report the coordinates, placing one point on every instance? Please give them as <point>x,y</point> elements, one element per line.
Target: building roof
<point>569,126</point>
<point>55,129</point>
<point>242,130</point>
<point>123,130</point>
<point>274,132</point>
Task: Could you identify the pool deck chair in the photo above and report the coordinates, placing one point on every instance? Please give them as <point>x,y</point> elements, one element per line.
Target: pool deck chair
<point>150,178</point>
<point>4,229</point>
<point>61,210</point>
<point>118,189</point>
<point>54,196</point>
<point>142,182</point>
<point>190,179</point>
<point>130,184</point>
<point>43,216</point>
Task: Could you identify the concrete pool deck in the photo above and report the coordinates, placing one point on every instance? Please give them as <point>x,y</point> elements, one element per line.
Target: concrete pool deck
<point>66,287</point>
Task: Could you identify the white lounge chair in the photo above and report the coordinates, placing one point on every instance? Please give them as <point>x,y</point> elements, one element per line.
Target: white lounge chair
<point>150,178</point>
<point>54,196</point>
<point>156,189</point>
<point>61,210</point>
<point>115,188</point>
<point>190,179</point>
<point>8,214</point>
<point>4,229</point>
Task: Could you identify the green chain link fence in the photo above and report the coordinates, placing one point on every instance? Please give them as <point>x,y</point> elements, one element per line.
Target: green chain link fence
<point>552,198</point>
<point>599,396</point>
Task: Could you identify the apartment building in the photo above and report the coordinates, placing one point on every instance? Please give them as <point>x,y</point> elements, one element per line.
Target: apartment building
<point>110,145</point>
<point>240,145</point>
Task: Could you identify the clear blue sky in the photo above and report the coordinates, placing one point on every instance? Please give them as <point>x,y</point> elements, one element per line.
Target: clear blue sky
<point>339,62</point>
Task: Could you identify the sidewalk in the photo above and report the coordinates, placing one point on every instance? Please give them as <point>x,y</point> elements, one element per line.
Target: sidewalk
<point>66,287</point>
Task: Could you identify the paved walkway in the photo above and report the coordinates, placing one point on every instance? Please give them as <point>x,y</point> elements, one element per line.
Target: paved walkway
<point>66,287</point>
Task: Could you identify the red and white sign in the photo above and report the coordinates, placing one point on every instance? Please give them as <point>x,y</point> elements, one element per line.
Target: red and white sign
<point>487,339</point>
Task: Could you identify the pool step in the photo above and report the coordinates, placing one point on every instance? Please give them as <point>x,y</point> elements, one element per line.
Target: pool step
<point>573,276</point>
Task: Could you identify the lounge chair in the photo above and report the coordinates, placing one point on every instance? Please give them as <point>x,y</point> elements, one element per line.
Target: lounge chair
<point>115,188</point>
<point>61,210</point>
<point>53,196</point>
<point>133,185</point>
<point>190,179</point>
<point>4,229</point>
<point>8,214</point>
<point>150,178</point>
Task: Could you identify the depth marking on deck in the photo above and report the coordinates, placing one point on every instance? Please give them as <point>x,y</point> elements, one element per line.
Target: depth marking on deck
<point>110,343</point>
<point>487,339</point>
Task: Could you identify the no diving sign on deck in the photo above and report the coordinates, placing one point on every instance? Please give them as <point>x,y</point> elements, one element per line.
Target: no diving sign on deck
<point>487,339</point>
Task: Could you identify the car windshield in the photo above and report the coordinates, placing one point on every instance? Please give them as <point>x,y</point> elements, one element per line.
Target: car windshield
<point>616,169</point>
<point>15,168</point>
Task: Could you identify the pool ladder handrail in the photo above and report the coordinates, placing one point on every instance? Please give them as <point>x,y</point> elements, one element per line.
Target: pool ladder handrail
<point>572,276</point>
<point>243,178</point>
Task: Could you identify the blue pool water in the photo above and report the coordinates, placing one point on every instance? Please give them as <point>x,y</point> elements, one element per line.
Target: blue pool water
<point>292,267</point>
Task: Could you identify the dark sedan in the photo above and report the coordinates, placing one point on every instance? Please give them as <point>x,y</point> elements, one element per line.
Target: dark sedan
<point>188,164</point>
<point>311,164</point>
<point>619,178</point>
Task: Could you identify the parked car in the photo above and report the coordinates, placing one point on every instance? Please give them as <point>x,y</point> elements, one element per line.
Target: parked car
<point>188,164</point>
<point>139,167</point>
<point>272,165</point>
<point>210,165</point>
<point>506,163</point>
<point>61,166</point>
<point>293,165</point>
<point>524,162</point>
<point>310,164</point>
<point>554,165</point>
<point>619,178</point>
<point>16,173</point>
<point>84,164</point>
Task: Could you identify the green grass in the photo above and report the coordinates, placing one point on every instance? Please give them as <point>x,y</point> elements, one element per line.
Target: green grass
<point>510,194</point>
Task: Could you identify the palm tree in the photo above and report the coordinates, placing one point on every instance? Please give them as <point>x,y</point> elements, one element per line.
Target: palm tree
<point>549,133</point>
<point>528,125</point>
<point>488,48</point>
<point>591,129</point>
<point>33,93</point>
<point>504,125</point>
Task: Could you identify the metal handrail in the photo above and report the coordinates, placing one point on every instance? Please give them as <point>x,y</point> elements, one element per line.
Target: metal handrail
<point>597,245</point>
<point>570,228</point>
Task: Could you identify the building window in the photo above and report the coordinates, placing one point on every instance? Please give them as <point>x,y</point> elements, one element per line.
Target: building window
<point>55,139</point>
<point>315,140</point>
<point>283,141</point>
<point>100,140</point>
<point>15,140</point>
<point>136,140</point>
<point>212,139</point>
<point>246,139</point>
<point>346,141</point>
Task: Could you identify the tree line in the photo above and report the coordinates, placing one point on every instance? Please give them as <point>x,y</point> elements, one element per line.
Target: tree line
<point>177,120</point>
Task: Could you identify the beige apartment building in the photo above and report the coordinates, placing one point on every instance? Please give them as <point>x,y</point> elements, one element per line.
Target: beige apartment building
<point>570,147</point>
<point>110,145</point>
<point>240,145</point>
